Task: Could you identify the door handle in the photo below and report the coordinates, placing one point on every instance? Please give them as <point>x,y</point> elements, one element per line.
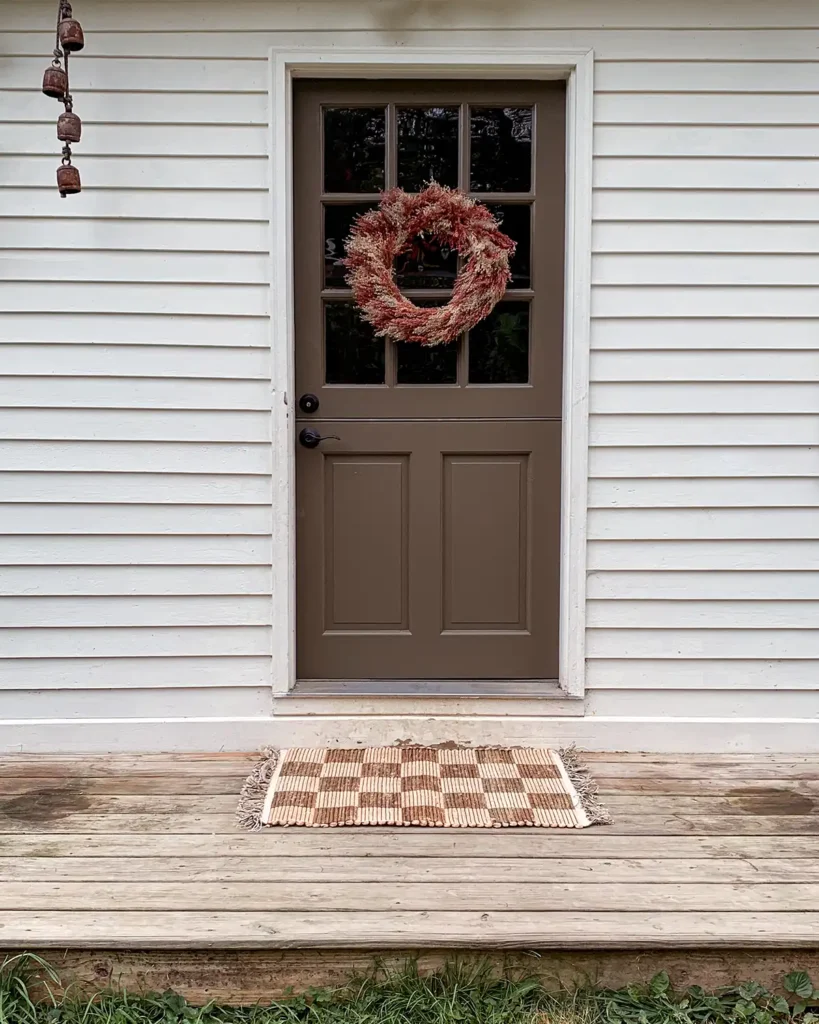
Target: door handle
<point>312,438</point>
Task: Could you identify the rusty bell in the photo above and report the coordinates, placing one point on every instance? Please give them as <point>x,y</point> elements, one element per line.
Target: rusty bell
<point>69,127</point>
<point>69,32</point>
<point>55,82</point>
<point>68,180</point>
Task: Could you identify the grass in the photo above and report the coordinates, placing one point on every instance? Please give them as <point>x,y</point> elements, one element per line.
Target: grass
<point>459,994</point>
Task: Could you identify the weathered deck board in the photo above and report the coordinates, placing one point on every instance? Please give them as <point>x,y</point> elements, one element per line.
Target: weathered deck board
<point>622,804</point>
<point>320,870</point>
<point>388,896</point>
<point>144,853</point>
<point>711,785</point>
<point>214,824</point>
<point>420,843</point>
<point>226,785</point>
<point>401,929</point>
<point>177,784</point>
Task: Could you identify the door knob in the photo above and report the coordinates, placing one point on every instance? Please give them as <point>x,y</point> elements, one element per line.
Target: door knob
<point>312,438</point>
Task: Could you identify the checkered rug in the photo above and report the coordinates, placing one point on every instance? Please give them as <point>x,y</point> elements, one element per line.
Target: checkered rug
<point>483,787</point>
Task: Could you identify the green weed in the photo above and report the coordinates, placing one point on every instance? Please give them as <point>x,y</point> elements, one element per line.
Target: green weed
<point>458,994</point>
<point>749,1003</point>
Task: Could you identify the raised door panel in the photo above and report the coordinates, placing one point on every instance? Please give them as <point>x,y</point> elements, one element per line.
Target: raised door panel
<point>486,529</point>
<point>365,543</point>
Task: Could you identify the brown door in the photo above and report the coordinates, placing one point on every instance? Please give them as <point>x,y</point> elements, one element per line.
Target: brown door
<point>428,531</point>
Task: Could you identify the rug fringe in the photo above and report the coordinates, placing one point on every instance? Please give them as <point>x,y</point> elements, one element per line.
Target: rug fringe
<point>585,785</point>
<point>254,791</point>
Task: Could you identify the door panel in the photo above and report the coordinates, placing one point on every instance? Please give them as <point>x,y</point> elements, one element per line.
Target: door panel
<point>486,550</point>
<point>428,534</point>
<point>467,528</point>
<point>366,533</point>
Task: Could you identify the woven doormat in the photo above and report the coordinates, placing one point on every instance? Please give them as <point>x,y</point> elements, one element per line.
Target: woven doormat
<point>479,787</point>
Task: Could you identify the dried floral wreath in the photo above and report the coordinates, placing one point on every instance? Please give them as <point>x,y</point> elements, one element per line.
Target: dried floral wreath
<point>456,221</point>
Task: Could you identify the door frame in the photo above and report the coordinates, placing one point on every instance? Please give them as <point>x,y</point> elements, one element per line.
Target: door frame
<point>576,66</point>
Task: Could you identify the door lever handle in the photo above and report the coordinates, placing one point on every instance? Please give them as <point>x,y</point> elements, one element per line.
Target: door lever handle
<point>312,438</point>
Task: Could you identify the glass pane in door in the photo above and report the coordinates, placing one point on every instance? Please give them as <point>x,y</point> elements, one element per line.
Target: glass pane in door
<point>427,147</point>
<point>499,346</point>
<point>501,149</point>
<point>352,353</point>
<point>354,149</point>
<point>426,264</point>
<point>423,364</point>
<point>338,221</point>
<point>515,220</point>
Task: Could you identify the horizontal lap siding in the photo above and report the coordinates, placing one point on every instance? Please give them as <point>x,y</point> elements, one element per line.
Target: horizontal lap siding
<point>704,479</point>
<point>136,374</point>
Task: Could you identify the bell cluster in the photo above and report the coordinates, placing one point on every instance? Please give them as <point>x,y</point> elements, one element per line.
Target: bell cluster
<point>56,84</point>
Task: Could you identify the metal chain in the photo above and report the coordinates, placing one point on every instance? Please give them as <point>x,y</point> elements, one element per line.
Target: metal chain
<point>67,180</point>
<point>64,11</point>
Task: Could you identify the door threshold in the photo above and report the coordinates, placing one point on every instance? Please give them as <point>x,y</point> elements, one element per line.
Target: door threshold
<point>530,689</point>
<point>401,698</point>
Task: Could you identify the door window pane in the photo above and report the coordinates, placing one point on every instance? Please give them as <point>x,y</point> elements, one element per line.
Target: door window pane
<point>514,220</point>
<point>419,364</point>
<point>501,149</point>
<point>338,220</point>
<point>426,264</point>
<point>427,147</point>
<point>499,346</point>
<point>354,149</point>
<point>352,353</point>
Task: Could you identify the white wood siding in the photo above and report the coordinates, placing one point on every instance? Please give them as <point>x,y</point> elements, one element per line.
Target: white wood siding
<point>136,370</point>
<point>135,364</point>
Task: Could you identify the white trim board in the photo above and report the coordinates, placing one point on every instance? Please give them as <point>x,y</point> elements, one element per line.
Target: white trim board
<point>604,733</point>
<point>450,61</point>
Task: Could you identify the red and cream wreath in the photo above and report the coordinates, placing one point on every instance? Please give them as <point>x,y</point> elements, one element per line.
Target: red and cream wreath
<point>457,221</point>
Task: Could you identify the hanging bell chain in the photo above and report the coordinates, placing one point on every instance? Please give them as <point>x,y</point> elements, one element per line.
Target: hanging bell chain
<point>68,38</point>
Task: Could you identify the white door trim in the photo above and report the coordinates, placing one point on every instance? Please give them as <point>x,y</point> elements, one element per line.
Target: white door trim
<point>450,61</point>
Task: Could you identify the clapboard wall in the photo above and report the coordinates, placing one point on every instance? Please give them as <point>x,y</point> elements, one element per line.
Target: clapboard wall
<point>135,362</point>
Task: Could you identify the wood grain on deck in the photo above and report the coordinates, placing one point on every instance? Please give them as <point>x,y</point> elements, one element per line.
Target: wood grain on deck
<point>143,853</point>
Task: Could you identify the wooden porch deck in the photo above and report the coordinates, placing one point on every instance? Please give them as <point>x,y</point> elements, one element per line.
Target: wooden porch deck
<point>141,852</point>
